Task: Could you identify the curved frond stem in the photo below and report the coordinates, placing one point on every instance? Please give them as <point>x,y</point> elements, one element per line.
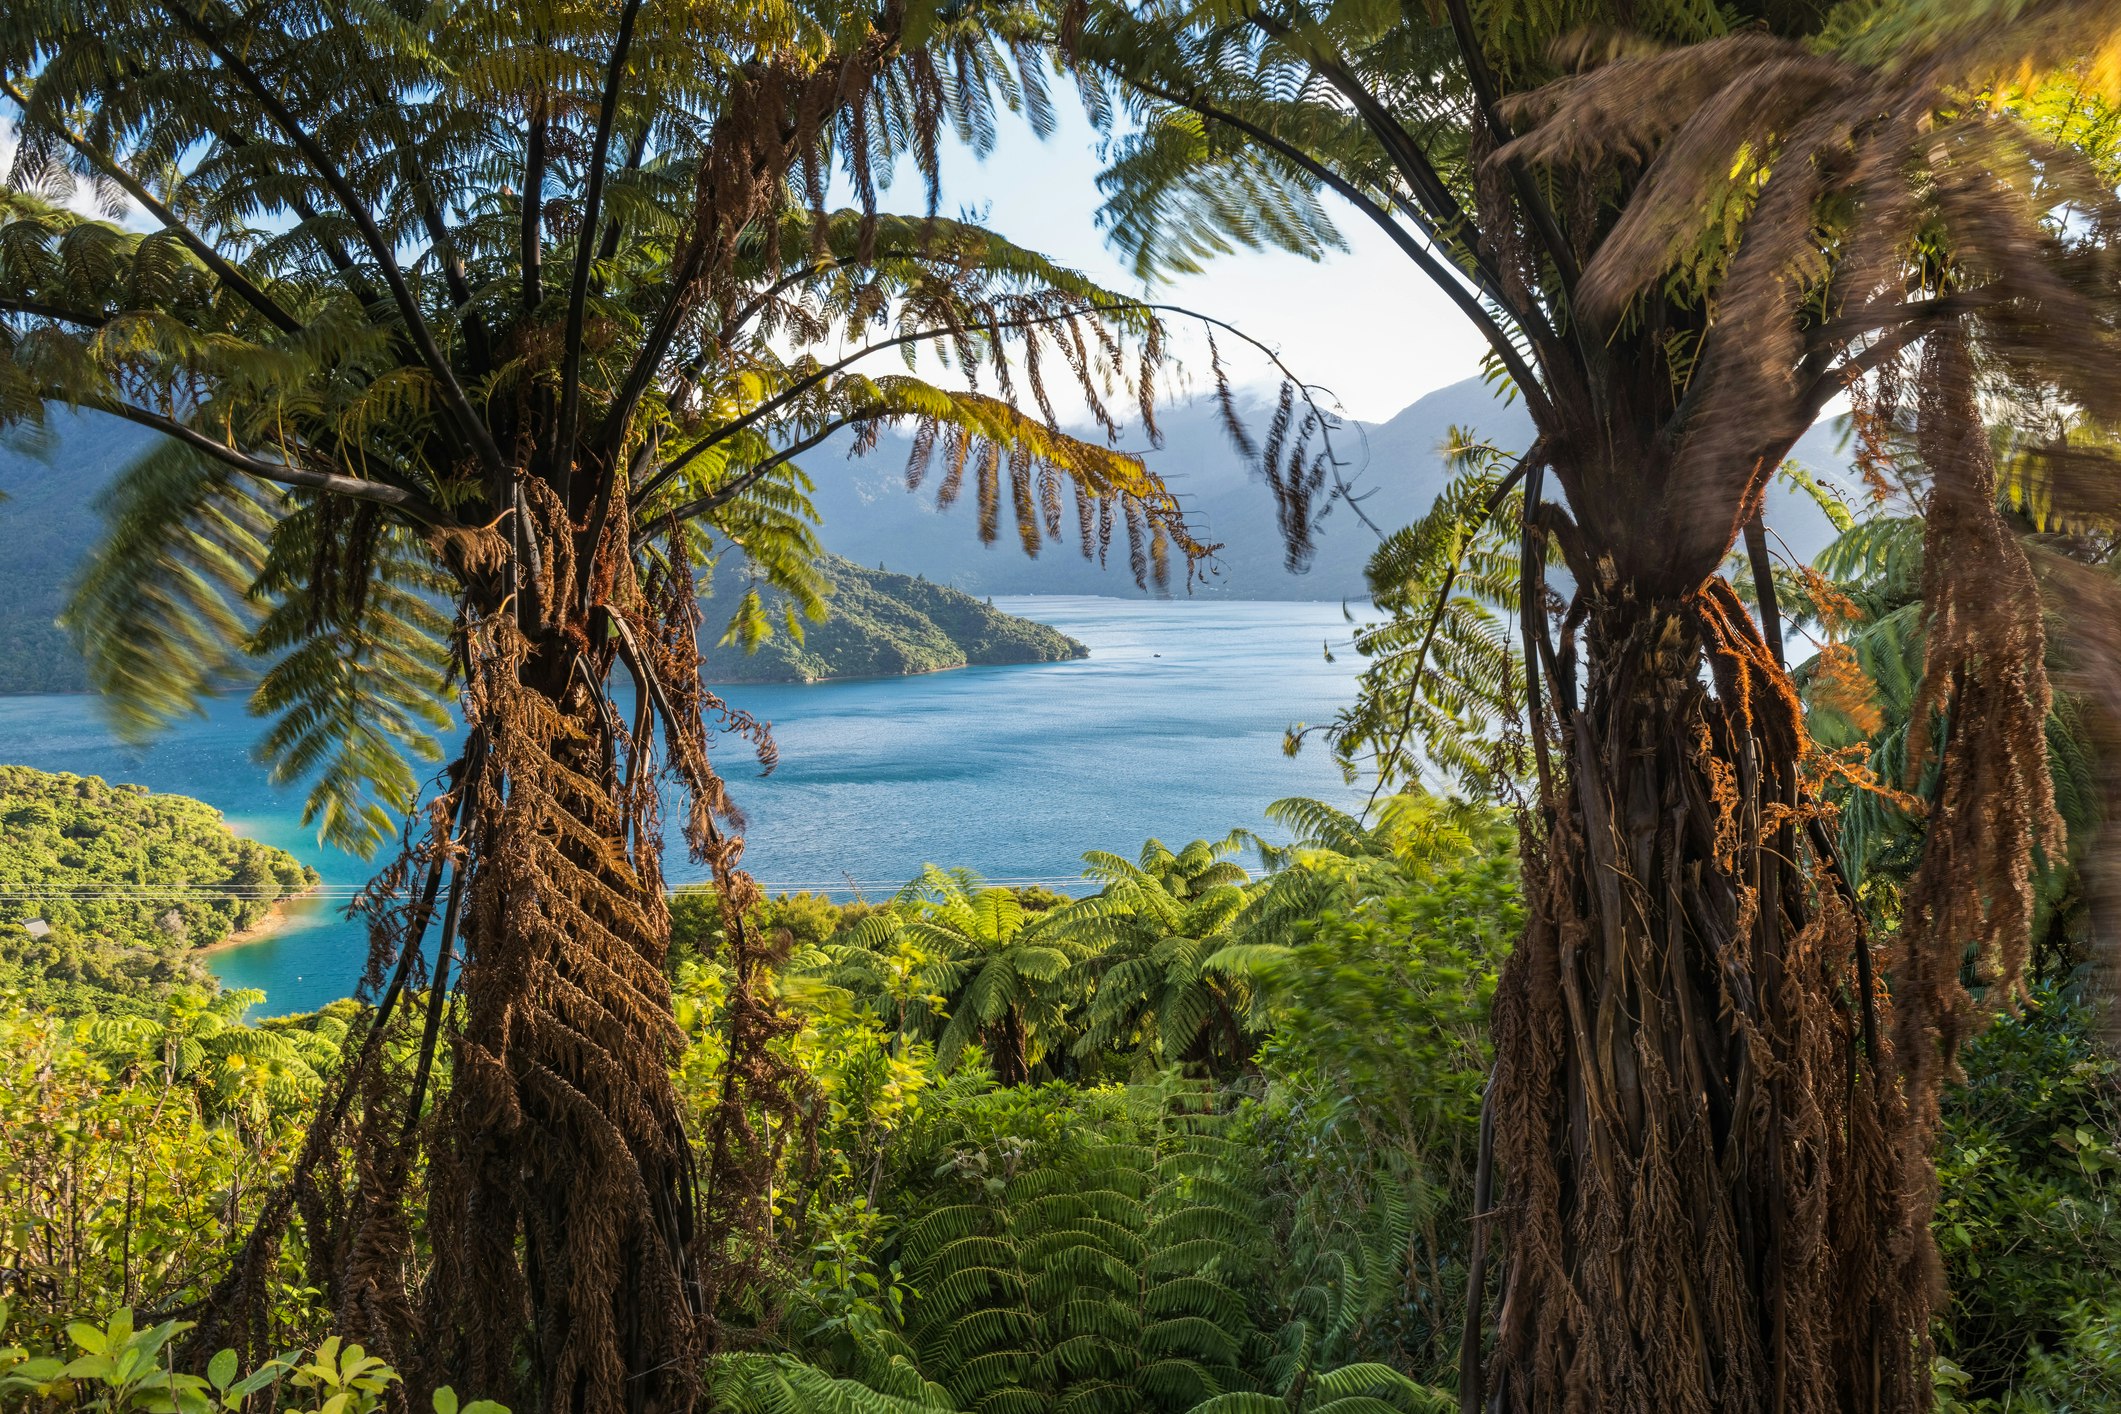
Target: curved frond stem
<point>1836,379</point>
<point>531,240</point>
<point>1536,454</point>
<point>1535,205</point>
<point>1442,216</point>
<point>357,210</point>
<point>722,495</point>
<point>37,309</point>
<point>1756,550</point>
<point>585,251</point>
<point>826,372</point>
<point>1439,273</point>
<point>241,285</point>
<point>411,503</point>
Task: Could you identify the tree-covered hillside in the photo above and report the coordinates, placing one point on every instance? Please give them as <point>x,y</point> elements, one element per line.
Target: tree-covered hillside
<point>126,885</point>
<point>884,625</point>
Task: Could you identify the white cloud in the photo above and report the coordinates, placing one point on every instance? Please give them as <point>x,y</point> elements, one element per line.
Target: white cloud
<point>83,197</point>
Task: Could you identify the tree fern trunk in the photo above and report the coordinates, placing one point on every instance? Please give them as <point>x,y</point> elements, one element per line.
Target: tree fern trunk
<point>1008,1049</point>
<point>562,1177</point>
<point>1708,1181</point>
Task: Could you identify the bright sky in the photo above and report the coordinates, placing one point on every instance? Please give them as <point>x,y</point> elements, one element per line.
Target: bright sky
<point>1362,322</point>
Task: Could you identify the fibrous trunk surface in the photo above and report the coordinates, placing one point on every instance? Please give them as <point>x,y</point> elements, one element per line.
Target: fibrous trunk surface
<point>1716,1194</point>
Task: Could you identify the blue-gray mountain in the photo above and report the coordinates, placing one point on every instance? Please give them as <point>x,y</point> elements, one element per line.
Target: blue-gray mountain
<point>51,479</point>
<point>1396,466</point>
<point>52,483</point>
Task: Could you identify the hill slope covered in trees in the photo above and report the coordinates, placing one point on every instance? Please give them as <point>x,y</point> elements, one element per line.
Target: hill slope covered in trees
<point>124,886</point>
<point>884,625</point>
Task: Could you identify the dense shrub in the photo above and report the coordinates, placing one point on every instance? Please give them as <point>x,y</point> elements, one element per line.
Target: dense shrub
<point>1277,1230</point>
<point>2029,1218</point>
<point>135,1155</point>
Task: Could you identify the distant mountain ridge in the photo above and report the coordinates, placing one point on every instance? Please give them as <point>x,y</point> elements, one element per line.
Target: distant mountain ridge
<point>1396,466</point>
<point>886,625</point>
<point>870,518</point>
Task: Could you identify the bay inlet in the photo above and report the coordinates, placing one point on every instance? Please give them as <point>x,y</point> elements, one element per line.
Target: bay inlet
<point>1172,728</point>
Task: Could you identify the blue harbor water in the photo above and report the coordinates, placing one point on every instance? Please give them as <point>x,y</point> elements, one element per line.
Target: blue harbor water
<point>1171,728</point>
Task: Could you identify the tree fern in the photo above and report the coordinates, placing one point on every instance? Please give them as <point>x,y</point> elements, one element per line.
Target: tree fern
<point>1146,939</point>
<point>1863,689</point>
<point>475,335</point>
<point>960,963</point>
<point>1108,1277</point>
<point>1443,670</point>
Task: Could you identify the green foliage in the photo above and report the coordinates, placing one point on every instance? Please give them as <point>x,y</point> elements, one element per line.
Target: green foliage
<point>1065,1264</point>
<point>1443,673</point>
<point>1292,1232</point>
<point>128,883</point>
<point>783,1384</point>
<point>1368,1123</point>
<point>1288,1235</point>
<point>160,608</point>
<point>113,1367</point>
<point>948,949</point>
<point>358,669</point>
<point>1153,936</point>
<point>1336,860</point>
<point>135,1155</point>
<point>248,1072</point>
<point>1383,1009</point>
<point>1063,1249</point>
<point>2029,1216</point>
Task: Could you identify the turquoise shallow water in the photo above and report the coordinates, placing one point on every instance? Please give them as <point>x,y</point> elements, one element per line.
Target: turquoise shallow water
<point>1172,727</point>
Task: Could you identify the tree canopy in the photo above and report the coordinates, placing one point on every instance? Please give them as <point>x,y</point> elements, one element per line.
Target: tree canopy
<point>359,334</point>
<point>1683,231</point>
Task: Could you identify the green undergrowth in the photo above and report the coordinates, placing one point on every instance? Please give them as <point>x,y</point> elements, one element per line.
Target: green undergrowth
<point>1164,1217</point>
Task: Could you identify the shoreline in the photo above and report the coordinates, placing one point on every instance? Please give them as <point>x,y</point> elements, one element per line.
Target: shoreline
<point>892,677</point>
<point>277,916</point>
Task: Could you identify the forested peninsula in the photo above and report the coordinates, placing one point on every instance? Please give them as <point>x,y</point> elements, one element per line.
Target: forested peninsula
<point>109,893</point>
<point>881,624</point>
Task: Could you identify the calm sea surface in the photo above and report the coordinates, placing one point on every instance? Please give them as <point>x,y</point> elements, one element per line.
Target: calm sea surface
<point>1172,728</point>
